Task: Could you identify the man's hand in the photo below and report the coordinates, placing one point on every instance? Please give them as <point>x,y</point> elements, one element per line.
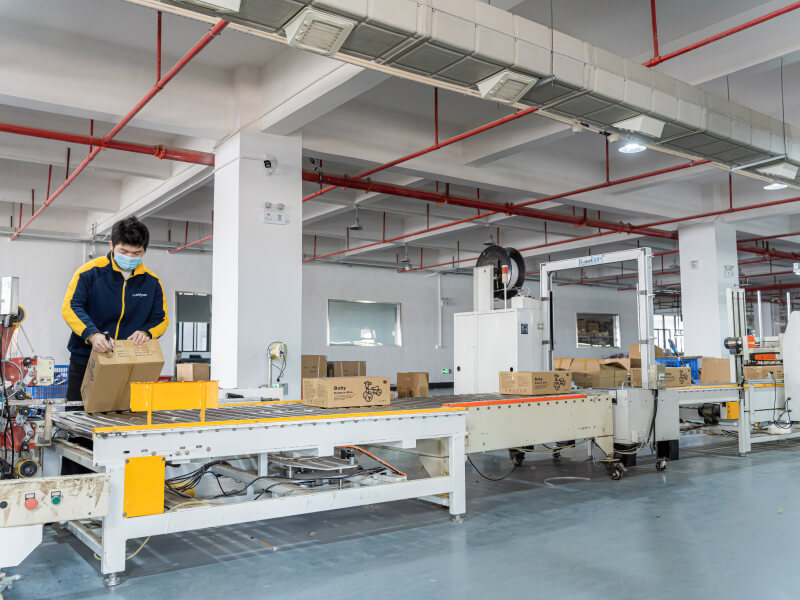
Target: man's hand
<point>101,344</point>
<point>138,338</point>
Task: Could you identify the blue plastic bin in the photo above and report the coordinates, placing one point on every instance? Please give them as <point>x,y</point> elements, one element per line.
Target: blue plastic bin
<point>57,390</point>
<point>692,363</point>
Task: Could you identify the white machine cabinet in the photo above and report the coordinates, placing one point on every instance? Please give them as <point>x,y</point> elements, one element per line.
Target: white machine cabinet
<point>490,341</point>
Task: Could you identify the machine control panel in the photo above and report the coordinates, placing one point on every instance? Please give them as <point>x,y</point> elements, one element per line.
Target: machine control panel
<point>49,499</point>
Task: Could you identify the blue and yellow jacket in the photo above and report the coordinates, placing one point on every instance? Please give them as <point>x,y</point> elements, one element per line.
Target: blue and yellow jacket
<point>100,299</point>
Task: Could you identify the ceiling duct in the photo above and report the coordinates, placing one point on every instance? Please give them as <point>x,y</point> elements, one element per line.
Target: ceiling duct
<point>465,43</point>
<point>223,6</point>
<point>318,31</point>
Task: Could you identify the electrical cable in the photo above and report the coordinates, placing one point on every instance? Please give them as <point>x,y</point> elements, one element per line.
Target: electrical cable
<point>514,468</point>
<point>372,456</point>
<point>177,506</point>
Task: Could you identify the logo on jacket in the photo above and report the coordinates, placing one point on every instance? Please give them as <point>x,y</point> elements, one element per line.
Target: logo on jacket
<point>139,295</point>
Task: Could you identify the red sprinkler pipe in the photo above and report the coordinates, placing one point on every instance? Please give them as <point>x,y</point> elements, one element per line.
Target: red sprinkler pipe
<point>599,186</point>
<point>770,237</point>
<point>728,32</point>
<point>655,28</point>
<point>176,154</point>
<point>190,244</point>
<point>395,190</point>
<point>437,146</point>
<point>205,41</point>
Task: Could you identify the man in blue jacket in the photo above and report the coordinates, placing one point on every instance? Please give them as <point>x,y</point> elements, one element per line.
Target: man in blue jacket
<point>113,297</point>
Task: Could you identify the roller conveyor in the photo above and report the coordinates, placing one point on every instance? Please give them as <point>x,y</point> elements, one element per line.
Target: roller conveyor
<point>84,424</point>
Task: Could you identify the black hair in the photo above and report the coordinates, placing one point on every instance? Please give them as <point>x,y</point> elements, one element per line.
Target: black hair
<point>130,231</point>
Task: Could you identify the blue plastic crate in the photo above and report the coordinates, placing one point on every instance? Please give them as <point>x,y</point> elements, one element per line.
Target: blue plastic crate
<point>692,363</point>
<point>57,390</point>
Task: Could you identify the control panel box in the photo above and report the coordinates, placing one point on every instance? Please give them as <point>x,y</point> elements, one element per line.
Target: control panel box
<point>51,499</point>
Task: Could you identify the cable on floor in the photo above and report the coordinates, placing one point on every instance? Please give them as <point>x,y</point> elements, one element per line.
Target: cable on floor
<point>514,468</point>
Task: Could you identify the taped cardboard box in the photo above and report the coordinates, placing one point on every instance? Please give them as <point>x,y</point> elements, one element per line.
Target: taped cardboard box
<point>349,368</point>
<point>530,383</point>
<point>106,384</point>
<point>633,352</point>
<point>347,392</point>
<point>673,377</point>
<point>412,385</point>
<point>715,370</point>
<point>763,372</point>
<point>592,373</point>
<point>313,365</point>
<point>561,364</point>
<point>193,371</point>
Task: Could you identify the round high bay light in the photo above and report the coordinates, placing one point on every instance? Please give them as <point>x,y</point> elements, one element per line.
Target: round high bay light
<point>632,148</point>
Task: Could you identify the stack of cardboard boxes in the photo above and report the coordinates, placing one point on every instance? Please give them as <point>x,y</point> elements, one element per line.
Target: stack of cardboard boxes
<point>341,384</point>
<point>719,370</point>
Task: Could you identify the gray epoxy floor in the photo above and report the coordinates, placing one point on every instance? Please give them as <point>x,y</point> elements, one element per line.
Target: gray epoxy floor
<point>714,525</point>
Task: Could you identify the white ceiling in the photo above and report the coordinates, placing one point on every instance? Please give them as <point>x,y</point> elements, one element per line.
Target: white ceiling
<point>372,123</point>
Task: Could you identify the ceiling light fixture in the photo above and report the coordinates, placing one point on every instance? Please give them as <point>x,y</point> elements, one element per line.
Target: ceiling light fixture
<point>506,86</point>
<point>632,148</point>
<point>356,225</point>
<point>775,186</point>
<point>405,258</point>
<point>318,31</point>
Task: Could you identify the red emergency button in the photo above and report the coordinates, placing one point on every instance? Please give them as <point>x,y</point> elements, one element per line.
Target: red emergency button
<point>31,503</point>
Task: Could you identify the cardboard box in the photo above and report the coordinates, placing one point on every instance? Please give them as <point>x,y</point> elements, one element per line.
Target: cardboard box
<point>349,368</point>
<point>528,383</point>
<point>193,371</point>
<point>347,392</point>
<point>633,352</point>
<point>561,364</point>
<point>313,365</point>
<point>715,370</point>
<point>673,377</point>
<point>592,373</point>
<point>412,385</point>
<point>763,372</point>
<point>106,384</point>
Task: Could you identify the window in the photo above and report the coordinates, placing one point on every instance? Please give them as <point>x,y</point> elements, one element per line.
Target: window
<point>363,323</point>
<point>666,328</point>
<point>598,330</point>
<point>193,326</point>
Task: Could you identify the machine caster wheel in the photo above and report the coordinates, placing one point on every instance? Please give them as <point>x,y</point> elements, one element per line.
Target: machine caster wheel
<point>556,455</point>
<point>516,457</point>
<point>112,580</point>
<point>661,465</point>
<point>615,474</point>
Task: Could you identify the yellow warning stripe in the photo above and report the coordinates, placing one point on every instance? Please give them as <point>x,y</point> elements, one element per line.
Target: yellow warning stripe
<point>211,424</point>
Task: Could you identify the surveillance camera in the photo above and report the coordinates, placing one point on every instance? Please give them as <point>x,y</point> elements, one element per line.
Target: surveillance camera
<point>269,166</point>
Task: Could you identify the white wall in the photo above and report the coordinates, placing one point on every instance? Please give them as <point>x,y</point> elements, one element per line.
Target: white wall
<point>45,268</point>
<point>417,295</point>
<point>569,300</point>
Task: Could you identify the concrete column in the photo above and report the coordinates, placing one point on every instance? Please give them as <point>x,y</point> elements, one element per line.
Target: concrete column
<point>257,266</point>
<point>709,265</point>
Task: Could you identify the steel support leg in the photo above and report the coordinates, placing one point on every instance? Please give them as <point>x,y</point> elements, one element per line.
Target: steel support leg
<point>113,556</point>
<point>457,458</point>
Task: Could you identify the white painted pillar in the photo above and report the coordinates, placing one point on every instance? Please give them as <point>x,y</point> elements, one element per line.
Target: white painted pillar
<point>257,267</point>
<point>709,265</point>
